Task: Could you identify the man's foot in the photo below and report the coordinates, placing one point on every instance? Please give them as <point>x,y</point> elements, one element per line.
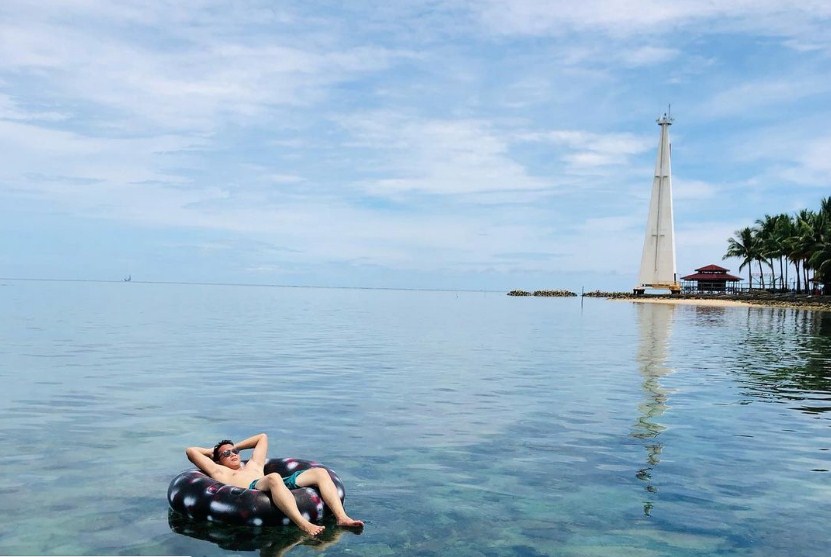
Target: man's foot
<point>311,529</point>
<point>347,522</point>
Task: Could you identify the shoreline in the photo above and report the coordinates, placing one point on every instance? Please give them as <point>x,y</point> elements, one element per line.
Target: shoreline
<point>807,302</point>
<point>760,298</point>
<point>685,302</point>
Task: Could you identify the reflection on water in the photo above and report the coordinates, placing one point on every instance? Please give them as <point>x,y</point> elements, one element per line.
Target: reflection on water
<point>796,369</point>
<point>654,326</point>
<point>710,315</point>
<point>269,542</point>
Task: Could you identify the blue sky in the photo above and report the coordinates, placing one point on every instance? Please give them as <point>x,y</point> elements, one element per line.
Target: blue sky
<point>452,144</point>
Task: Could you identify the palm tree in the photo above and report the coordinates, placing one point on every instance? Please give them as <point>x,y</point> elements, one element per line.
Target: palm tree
<point>784,234</point>
<point>744,246</point>
<point>821,262</point>
<point>820,259</point>
<point>803,239</point>
<point>764,232</point>
<point>802,245</point>
<point>771,234</point>
<point>787,230</point>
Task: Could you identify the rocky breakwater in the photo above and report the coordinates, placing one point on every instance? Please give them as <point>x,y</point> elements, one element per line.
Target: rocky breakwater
<point>543,293</point>
<point>613,295</point>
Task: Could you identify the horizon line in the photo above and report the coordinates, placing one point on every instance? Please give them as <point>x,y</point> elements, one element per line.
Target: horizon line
<point>259,285</point>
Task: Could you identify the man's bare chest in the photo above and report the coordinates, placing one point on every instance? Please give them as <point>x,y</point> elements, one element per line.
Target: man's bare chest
<point>243,476</point>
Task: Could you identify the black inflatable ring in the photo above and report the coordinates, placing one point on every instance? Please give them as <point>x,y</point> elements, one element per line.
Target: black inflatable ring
<point>200,497</point>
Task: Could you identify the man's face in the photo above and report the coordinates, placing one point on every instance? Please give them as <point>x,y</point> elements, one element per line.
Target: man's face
<point>229,456</point>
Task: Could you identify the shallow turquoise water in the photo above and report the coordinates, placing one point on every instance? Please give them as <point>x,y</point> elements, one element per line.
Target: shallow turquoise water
<point>462,423</point>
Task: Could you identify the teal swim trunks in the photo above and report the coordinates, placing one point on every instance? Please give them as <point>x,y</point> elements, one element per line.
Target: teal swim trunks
<point>289,481</point>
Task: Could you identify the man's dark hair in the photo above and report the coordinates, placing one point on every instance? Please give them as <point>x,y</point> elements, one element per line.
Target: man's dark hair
<point>216,448</point>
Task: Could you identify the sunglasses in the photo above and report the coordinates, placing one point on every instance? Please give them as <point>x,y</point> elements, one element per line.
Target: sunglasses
<point>228,452</point>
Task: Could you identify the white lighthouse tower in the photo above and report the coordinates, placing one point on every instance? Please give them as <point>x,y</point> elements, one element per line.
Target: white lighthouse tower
<point>658,260</point>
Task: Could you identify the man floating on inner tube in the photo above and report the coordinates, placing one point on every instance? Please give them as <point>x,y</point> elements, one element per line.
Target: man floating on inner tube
<point>223,464</point>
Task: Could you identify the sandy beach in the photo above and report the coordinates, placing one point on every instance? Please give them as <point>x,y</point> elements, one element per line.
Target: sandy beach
<point>689,302</point>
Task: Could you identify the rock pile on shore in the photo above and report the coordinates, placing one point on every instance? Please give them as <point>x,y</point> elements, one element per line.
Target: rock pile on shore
<point>601,294</point>
<point>543,293</point>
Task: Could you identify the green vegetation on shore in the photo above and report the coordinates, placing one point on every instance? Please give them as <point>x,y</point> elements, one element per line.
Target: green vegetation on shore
<point>801,242</point>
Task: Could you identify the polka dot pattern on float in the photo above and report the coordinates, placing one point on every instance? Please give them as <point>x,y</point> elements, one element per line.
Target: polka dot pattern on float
<point>199,497</point>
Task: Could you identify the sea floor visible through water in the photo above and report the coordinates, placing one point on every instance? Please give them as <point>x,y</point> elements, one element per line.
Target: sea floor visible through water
<point>462,423</point>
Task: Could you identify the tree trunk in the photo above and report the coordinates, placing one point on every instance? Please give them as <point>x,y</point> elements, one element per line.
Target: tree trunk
<point>798,278</point>
<point>783,273</point>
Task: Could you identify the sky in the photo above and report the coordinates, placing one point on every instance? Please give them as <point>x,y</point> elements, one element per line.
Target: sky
<point>451,144</point>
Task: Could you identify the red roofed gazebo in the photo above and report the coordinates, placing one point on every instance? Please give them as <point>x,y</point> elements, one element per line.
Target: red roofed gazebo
<point>710,278</point>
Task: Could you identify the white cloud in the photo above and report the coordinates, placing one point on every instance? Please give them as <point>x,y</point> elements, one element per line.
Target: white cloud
<point>440,156</point>
<point>213,73</point>
<point>30,148</point>
<point>592,150</point>
<point>647,55</point>
<point>702,243</point>
<point>756,95</point>
<point>692,189</point>
<point>11,110</point>
<point>284,178</point>
<point>813,163</point>
<point>788,153</point>
<point>625,18</point>
<point>612,225</point>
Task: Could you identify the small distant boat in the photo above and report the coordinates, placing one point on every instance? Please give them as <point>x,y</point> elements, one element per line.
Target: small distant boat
<point>128,278</point>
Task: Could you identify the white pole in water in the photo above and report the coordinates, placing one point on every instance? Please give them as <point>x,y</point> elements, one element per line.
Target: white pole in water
<point>658,269</point>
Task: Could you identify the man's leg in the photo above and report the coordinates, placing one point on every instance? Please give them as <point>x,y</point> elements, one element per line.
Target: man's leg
<point>284,500</point>
<point>329,492</point>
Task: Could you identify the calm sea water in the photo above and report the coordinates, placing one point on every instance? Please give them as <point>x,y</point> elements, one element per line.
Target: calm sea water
<point>470,424</point>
